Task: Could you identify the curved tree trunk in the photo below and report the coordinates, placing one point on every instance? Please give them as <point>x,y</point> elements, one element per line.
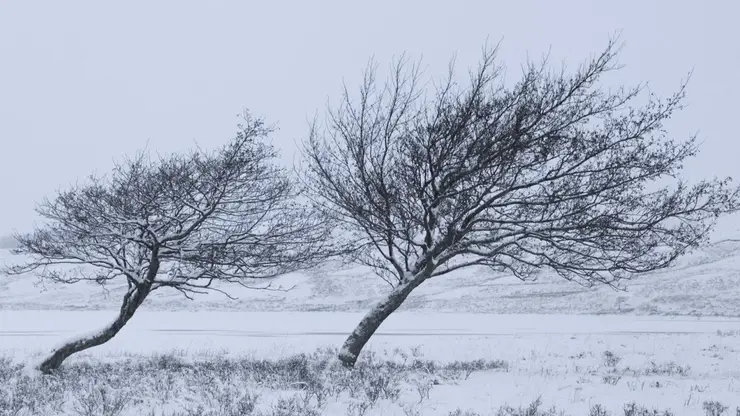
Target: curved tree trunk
<point>131,301</point>
<point>372,321</point>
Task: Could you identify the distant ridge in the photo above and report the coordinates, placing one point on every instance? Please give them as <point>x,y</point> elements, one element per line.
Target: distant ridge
<point>703,283</point>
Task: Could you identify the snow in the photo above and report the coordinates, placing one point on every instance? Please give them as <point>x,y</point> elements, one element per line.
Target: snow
<point>295,332</point>
<point>705,283</point>
<point>665,361</point>
<point>674,349</point>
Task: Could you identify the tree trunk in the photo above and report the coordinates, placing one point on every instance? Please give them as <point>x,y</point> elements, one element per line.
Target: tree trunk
<point>131,301</point>
<point>372,321</point>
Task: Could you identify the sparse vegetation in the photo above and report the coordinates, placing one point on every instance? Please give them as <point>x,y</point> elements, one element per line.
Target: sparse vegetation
<point>668,368</point>
<point>535,409</point>
<point>223,386</point>
<point>598,410</point>
<point>611,359</point>
<point>633,409</point>
<point>303,385</point>
<point>714,408</point>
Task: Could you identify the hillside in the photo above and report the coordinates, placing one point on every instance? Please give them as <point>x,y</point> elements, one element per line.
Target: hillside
<point>705,283</point>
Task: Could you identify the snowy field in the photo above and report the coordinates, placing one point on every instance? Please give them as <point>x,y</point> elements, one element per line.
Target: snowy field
<point>569,362</point>
<point>661,345</point>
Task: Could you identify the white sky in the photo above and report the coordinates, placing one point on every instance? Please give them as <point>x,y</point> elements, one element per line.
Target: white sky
<point>82,83</point>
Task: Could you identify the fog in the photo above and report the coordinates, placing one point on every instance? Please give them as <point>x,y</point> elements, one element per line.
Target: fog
<point>84,83</point>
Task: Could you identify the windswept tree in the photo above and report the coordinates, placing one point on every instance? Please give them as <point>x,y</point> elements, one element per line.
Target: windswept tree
<point>184,222</point>
<point>554,172</point>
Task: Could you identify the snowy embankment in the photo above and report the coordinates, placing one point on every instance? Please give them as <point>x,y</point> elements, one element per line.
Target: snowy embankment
<point>705,283</point>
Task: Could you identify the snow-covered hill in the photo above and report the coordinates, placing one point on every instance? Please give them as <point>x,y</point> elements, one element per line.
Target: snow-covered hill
<point>705,283</point>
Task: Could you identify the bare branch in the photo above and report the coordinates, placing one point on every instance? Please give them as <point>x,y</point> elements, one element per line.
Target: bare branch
<point>555,172</point>
<point>184,221</point>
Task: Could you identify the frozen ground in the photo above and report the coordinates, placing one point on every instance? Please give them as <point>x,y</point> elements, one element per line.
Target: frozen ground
<point>661,344</point>
<point>570,362</point>
<point>443,336</point>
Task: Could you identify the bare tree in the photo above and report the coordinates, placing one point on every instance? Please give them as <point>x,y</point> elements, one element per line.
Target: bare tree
<point>555,172</point>
<point>182,222</point>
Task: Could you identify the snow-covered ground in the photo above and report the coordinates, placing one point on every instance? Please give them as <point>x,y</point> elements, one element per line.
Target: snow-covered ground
<point>443,336</point>
<point>570,362</point>
<point>671,341</point>
<point>704,283</point>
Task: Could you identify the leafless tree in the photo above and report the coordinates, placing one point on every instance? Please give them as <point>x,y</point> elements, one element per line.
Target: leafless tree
<point>555,172</point>
<point>181,222</point>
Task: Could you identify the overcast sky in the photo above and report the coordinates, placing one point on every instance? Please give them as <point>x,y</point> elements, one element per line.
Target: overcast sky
<point>82,83</point>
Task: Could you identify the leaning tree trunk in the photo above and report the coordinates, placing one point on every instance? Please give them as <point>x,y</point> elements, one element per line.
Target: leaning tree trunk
<point>372,321</point>
<point>131,301</point>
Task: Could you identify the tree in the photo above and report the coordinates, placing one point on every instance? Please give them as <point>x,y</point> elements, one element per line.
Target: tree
<point>180,222</point>
<point>555,172</point>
